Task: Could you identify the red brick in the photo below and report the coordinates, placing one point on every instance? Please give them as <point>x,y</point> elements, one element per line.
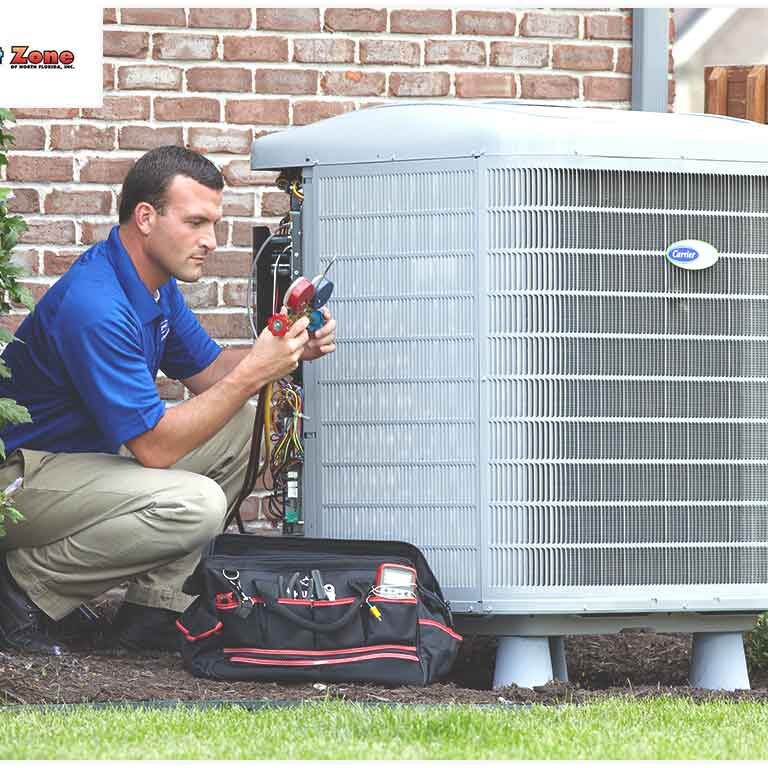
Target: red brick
<point>419,22</point>
<point>58,262</point>
<point>323,51</point>
<point>94,232</point>
<point>168,109</point>
<point>549,25</point>
<point>221,230</point>
<point>305,112</point>
<point>220,18</point>
<point>255,49</point>
<point>238,173</point>
<point>197,295</point>
<point>149,77</point>
<point>355,20</point>
<point>607,88</point>
<point>27,136</point>
<point>12,322</point>
<point>257,112</point>
<point>154,17</point>
<point>120,43</point>
<point>461,52</point>
<point>604,27</point>
<point>287,81</point>
<point>233,141</point>
<point>55,113</point>
<point>90,202</point>
<point>109,16</point>
<point>103,170</point>
<point>228,79</point>
<point>354,83</point>
<point>549,87</point>
<point>624,60</point>
<point>493,23</point>
<point>582,57</point>
<point>486,85</point>
<point>142,137</point>
<point>228,325</point>
<point>275,203</point>
<point>235,294</point>
<point>107,76</point>
<point>23,201</point>
<point>37,290</point>
<point>228,263</point>
<point>288,19</point>
<point>169,389</point>
<point>121,108</point>
<point>28,168</point>
<point>242,232</point>
<point>390,52</point>
<point>419,84</point>
<point>42,231</point>
<point>238,203</point>
<point>528,55</point>
<point>194,47</point>
<point>80,136</point>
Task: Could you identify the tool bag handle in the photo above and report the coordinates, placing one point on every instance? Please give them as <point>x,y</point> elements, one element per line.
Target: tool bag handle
<point>283,610</point>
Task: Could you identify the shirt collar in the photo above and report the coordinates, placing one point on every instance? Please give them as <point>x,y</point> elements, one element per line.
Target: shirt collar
<point>138,293</point>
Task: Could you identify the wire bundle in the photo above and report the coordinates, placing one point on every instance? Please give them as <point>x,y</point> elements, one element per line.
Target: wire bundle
<point>283,430</point>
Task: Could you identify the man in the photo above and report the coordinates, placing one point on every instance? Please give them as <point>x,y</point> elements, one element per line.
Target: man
<point>115,486</point>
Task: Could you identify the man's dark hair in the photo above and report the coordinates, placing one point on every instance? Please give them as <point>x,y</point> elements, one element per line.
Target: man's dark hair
<point>150,177</point>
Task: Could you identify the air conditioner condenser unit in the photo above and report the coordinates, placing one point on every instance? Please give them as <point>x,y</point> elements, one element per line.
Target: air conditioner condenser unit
<point>552,365</point>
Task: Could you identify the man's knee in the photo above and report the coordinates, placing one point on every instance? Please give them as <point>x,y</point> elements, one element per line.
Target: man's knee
<point>206,508</point>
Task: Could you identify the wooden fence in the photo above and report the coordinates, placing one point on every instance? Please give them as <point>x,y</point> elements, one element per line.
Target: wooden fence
<point>736,92</point>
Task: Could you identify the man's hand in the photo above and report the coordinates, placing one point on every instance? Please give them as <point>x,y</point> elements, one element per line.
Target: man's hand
<point>273,357</point>
<point>324,340</point>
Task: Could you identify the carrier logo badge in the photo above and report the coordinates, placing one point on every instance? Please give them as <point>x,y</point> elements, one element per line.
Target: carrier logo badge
<point>692,254</point>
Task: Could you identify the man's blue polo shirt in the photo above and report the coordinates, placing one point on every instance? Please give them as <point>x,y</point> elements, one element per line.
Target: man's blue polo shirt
<point>90,353</point>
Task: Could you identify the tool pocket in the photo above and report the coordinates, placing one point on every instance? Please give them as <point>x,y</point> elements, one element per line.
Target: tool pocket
<point>391,620</point>
<point>289,624</point>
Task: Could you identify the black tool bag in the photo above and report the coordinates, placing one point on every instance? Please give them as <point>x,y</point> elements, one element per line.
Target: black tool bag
<point>301,609</point>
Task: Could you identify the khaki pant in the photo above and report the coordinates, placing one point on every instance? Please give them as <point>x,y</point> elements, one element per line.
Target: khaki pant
<point>95,520</point>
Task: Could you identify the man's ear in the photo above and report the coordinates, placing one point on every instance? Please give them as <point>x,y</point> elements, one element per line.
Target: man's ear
<point>144,215</point>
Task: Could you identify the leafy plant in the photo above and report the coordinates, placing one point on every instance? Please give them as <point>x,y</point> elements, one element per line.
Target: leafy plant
<point>756,644</point>
<point>11,291</point>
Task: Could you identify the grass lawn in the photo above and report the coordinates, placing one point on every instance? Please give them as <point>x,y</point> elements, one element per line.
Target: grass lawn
<point>611,729</point>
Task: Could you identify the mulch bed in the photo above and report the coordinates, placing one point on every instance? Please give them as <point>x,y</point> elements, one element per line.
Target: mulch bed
<point>636,664</point>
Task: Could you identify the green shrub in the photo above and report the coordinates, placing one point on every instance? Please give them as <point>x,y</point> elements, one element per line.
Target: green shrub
<point>756,644</point>
<point>11,291</point>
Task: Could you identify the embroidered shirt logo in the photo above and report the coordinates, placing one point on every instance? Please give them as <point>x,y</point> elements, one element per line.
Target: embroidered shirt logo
<point>165,329</point>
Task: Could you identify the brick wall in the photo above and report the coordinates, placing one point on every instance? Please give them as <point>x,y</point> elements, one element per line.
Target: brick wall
<point>214,79</point>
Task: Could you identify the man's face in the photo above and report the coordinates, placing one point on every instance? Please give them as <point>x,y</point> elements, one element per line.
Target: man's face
<point>182,235</point>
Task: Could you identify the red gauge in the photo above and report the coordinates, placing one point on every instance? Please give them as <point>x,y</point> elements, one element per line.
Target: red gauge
<point>300,292</point>
<point>278,325</point>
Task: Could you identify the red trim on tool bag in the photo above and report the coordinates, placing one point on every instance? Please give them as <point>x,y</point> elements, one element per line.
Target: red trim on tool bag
<point>334,652</point>
<point>322,662</point>
<point>293,601</point>
<point>438,625</point>
<point>380,599</point>
<point>340,601</point>
<point>219,626</point>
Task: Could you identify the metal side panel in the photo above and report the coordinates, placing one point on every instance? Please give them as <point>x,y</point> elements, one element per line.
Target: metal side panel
<point>626,421</point>
<point>392,449</point>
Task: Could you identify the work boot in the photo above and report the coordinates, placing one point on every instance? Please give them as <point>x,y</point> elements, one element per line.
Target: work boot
<point>23,626</point>
<point>139,628</point>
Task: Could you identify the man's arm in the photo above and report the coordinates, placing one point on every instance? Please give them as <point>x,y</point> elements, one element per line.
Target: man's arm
<point>188,425</point>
